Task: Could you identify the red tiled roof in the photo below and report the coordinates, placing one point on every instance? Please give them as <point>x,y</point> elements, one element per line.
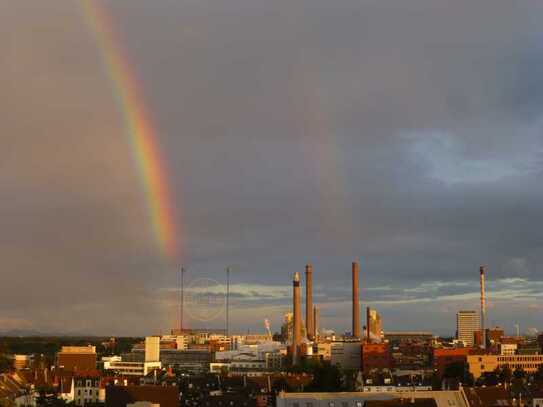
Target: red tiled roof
<point>86,373</point>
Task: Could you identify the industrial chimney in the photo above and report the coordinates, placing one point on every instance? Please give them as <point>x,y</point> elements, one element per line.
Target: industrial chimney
<point>297,311</point>
<point>483,306</point>
<point>309,322</point>
<point>368,325</point>
<point>356,305</point>
<point>316,318</point>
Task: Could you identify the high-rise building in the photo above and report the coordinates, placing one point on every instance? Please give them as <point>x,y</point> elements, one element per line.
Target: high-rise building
<point>467,323</point>
<point>152,349</point>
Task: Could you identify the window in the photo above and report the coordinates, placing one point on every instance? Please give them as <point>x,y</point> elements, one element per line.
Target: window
<point>358,404</point>
<point>344,404</point>
<point>310,404</point>
<point>331,404</point>
<point>295,404</point>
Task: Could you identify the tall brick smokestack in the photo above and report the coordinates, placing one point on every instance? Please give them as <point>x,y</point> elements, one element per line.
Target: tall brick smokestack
<point>483,305</point>
<point>297,311</point>
<point>309,318</point>
<point>368,328</point>
<point>356,305</point>
<point>316,318</point>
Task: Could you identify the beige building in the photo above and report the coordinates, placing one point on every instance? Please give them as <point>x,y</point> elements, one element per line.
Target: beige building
<point>324,350</point>
<point>22,361</point>
<point>359,399</point>
<point>480,364</point>
<point>152,349</point>
<point>508,348</point>
<point>467,323</point>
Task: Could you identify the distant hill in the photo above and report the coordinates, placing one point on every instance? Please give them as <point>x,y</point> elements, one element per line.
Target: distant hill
<point>35,333</point>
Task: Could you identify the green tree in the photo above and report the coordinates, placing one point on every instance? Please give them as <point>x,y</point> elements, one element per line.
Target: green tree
<point>491,379</point>
<point>455,371</point>
<point>326,378</point>
<point>5,364</point>
<point>519,373</point>
<point>539,374</point>
<point>280,384</point>
<point>436,382</point>
<point>505,375</point>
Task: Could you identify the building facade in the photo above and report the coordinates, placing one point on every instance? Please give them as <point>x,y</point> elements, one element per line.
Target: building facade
<point>346,354</point>
<point>467,323</point>
<point>443,357</point>
<point>375,356</point>
<point>71,358</point>
<point>481,364</point>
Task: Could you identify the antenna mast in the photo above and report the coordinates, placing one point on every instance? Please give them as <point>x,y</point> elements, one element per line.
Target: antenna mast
<point>181,299</point>
<point>227,300</point>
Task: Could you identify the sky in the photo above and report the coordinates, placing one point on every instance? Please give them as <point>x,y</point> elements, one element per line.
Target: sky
<point>407,135</point>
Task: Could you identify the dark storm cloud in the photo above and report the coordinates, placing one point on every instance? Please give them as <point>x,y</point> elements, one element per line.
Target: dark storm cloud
<point>406,134</point>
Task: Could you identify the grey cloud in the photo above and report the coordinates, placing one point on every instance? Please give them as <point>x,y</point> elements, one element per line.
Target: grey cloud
<point>406,134</point>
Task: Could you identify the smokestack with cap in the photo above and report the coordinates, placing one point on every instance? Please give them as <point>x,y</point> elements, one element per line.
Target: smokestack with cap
<point>483,305</point>
<point>356,305</point>
<point>309,323</point>
<point>297,311</point>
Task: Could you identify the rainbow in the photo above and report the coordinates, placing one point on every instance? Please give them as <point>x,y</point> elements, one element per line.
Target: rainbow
<point>139,128</point>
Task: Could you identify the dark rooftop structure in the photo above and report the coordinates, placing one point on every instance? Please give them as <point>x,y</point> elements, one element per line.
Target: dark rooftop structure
<point>400,402</point>
<point>120,396</point>
<point>494,396</point>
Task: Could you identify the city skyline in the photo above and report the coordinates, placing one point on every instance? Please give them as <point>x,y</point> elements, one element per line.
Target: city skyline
<point>289,133</point>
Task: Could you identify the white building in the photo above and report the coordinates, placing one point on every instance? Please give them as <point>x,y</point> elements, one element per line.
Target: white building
<point>151,361</point>
<point>467,323</point>
<point>508,348</point>
<point>537,402</point>
<point>83,389</point>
